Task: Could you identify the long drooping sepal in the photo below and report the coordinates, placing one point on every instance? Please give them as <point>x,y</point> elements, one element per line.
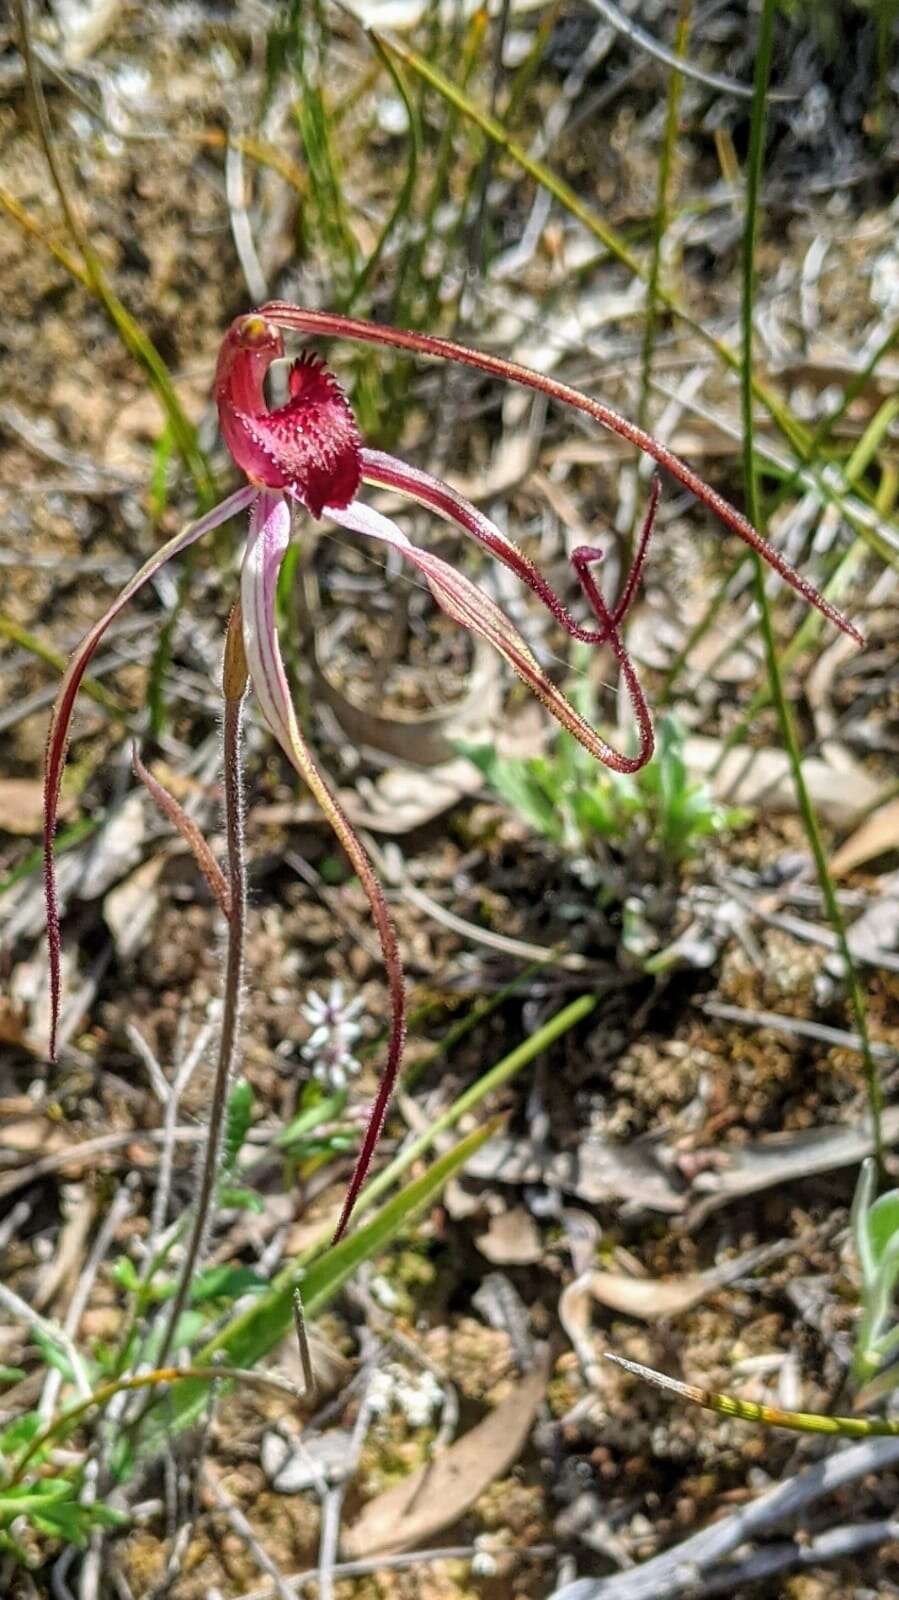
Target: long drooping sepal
<point>269,536</point>
<point>60,720</point>
<point>334,325</point>
<point>471,608</point>
<point>387,472</point>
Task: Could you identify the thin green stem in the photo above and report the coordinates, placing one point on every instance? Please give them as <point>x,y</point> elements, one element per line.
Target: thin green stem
<point>662,211</point>
<point>228,1038</point>
<point>729,1405</point>
<point>787,424</point>
<point>62,1424</point>
<point>754,510</point>
<point>404,198</point>
<point>132,335</point>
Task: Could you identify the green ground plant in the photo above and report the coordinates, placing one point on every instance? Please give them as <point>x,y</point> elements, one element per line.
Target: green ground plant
<point>564,799</point>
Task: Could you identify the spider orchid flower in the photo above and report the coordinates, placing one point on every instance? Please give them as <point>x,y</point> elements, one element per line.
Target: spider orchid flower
<point>307,455</point>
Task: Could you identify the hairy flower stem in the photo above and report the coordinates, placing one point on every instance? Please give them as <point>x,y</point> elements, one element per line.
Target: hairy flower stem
<point>234,678</point>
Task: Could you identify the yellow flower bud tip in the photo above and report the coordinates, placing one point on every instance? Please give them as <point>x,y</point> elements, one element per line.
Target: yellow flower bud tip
<point>255,330</point>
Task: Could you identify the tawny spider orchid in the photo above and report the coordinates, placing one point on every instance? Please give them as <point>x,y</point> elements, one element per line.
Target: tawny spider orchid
<point>307,453</point>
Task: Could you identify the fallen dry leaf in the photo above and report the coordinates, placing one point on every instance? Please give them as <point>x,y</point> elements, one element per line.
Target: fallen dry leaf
<point>598,1171</point>
<point>575,1315</point>
<point>410,1514</point>
<point>648,1297</point>
<point>130,908</point>
<point>668,1297</point>
<point>779,1159</point>
<point>876,835</point>
<point>763,778</point>
<point>22,805</point>
<point>13,1020</point>
<point>512,1239</point>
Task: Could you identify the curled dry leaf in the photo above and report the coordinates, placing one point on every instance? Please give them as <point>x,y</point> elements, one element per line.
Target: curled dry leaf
<point>408,1516</point>
<point>576,1317</point>
<point>649,1298</point>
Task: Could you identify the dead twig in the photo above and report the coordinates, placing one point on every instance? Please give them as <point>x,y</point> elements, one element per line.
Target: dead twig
<point>797,1025</point>
<point>241,1527</point>
<point>681,1570</point>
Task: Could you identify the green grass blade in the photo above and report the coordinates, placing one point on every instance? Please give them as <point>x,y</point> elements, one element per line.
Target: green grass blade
<point>403,204</point>
<point>250,1336</point>
<point>54,658</point>
<point>754,511</point>
<point>414,259</point>
<point>66,839</point>
<point>661,218</point>
<point>795,432</point>
<point>505,1069</point>
<point>132,335</point>
<point>314,124</point>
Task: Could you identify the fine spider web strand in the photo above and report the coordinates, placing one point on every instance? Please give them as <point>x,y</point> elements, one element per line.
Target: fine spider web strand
<point>234,679</point>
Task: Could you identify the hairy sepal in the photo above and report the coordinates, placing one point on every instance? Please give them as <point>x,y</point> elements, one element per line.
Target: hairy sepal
<point>269,538</point>
<point>61,718</point>
<point>335,325</point>
<point>473,609</point>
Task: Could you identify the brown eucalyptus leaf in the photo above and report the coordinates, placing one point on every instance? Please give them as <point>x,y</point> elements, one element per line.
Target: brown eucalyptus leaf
<point>409,1515</point>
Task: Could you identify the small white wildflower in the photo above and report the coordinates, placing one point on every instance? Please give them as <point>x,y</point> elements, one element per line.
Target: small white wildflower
<point>131,82</point>
<point>334,1031</point>
<point>392,115</point>
<point>417,1397</point>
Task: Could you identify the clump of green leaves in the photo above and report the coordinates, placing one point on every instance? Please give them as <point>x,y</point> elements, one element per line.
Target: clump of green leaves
<point>875,1233</point>
<point>48,1507</point>
<point>565,797</point>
